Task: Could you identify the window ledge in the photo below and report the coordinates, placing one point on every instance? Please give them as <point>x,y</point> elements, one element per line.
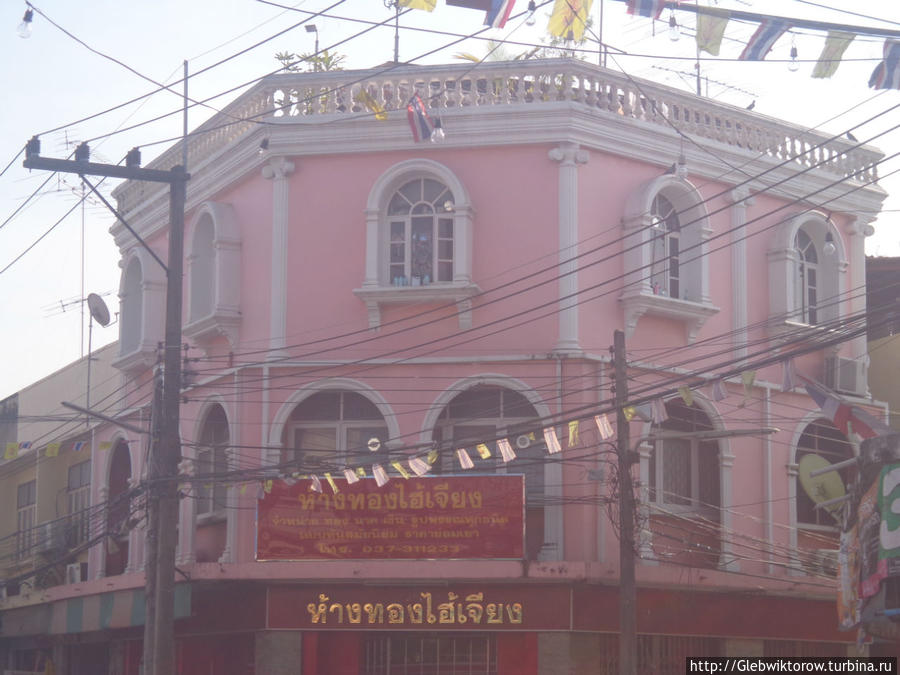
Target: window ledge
<point>214,325</point>
<point>693,314</point>
<point>135,361</point>
<point>377,297</point>
<point>211,518</point>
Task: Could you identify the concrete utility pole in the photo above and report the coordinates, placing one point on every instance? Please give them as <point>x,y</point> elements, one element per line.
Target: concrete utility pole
<point>159,653</point>
<point>627,588</point>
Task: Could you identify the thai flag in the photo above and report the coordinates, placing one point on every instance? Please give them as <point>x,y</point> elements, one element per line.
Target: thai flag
<point>419,120</point>
<point>651,8</point>
<point>887,73</point>
<point>763,40</point>
<point>847,418</point>
<point>498,13</point>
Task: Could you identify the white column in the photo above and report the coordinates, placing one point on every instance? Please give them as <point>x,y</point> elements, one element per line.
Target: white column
<point>232,494</point>
<point>569,156</point>
<point>857,232</point>
<point>726,464</point>
<point>187,517</point>
<point>278,170</point>
<point>740,200</point>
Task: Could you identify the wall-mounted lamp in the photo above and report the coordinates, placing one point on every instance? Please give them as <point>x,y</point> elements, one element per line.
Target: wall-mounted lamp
<point>829,248</point>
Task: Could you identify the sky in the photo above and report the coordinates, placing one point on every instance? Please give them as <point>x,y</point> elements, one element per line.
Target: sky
<point>54,250</point>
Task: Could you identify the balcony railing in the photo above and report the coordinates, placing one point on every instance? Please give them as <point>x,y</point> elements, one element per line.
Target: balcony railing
<point>520,86</point>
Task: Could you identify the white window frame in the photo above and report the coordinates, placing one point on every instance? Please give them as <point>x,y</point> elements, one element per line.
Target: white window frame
<point>214,274</point>
<point>788,294</point>
<point>142,302</point>
<point>648,284</point>
<point>378,290</point>
<point>212,458</point>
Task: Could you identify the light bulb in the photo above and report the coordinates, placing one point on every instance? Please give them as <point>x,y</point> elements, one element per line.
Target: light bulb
<point>674,33</point>
<point>681,168</point>
<point>531,19</point>
<point>24,28</point>
<point>829,248</point>
<point>793,66</point>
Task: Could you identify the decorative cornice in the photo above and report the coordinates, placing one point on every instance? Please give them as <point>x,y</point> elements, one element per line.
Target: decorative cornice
<point>278,168</point>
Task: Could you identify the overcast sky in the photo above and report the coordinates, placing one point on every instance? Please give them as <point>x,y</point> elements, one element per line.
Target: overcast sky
<point>53,82</point>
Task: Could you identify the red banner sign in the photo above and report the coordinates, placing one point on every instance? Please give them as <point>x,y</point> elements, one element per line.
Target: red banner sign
<point>446,517</point>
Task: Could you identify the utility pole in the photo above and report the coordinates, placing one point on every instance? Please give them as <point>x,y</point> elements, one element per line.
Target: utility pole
<point>627,588</point>
<point>163,489</point>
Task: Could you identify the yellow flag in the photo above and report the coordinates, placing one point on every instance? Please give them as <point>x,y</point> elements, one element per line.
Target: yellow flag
<point>243,489</point>
<point>105,445</point>
<point>432,456</point>
<point>569,19</point>
<point>573,433</point>
<point>629,411</point>
<point>400,469</point>
<point>835,45</point>
<point>334,487</point>
<point>747,379</point>
<point>686,395</point>
<point>710,30</point>
<point>427,5</point>
<point>12,450</point>
<point>483,451</point>
<point>267,486</point>
<point>52,450</point>
<point>363,97</point>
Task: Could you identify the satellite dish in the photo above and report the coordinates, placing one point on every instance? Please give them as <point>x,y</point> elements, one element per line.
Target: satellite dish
<point>98,309</point>
<point>823,487</point>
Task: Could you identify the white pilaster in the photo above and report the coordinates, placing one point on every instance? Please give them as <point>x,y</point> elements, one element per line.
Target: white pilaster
<point>857,232</point>
<point>740,200</point>
<point>278,170</point>
<point>569,156</point>
<point>187,516</point>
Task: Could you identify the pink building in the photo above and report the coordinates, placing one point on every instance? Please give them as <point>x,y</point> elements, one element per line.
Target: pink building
<point>347,288</point>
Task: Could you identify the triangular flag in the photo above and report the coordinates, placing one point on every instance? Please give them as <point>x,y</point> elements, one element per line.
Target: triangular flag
<point>52,450</point>
<point>648,8</point>
<point>427,5</point>
<point>603,426</point>
<point>351,476</point>
<point>432,457</point>
<point>573,433</point>
<point>424,127</point>
<point>498,14</point>
<point>483,451</point>
<point>569,19</point>
<point>418,466</point>
<point>788,382</point>
<point>381,476</point>
<point>887,73</point>
<point>464,460</point>
<point>25,445</point>
<point>659,411</point>
<point>12,450</point>
<point>363,97</point>
<point>747,379</point>
<point>361,472</point>
<point>710,31</point>
<point>79,446</point>
<point>400,469</point>
<point>334,487</point>
<point>629,411</point>
<point>506,451</point>
<point>316,484</point>
<point>847,418</point>
<point>719,392</point>
<point>686,395</point>
<point>267,486</point>
<point>835,45</point>
<point>764,39</point>
<point>551,440</point>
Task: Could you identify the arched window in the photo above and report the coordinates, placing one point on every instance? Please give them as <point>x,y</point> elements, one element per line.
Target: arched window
<point>666,251</point>
<point>202,264</point>
<point>684,490</point>
<point>684,472</point>
<point>487,412</point>
<point>119,510</point>
<point>806,263</point>
<point>418,240</point>
<point>666,261</point>
<point>212,460</point>
<point>807,269</point>
<point>420,218</point>
<point>211,488</point>
<point>821,438</point>
<point>332,428</point>
<point>132,303</point>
